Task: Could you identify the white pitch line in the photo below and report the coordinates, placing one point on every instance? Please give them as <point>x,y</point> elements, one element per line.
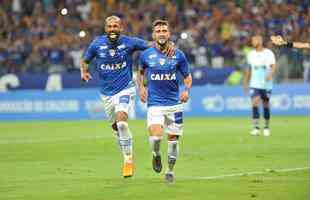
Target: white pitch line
<point>253,173</point>
<point>55,139</point>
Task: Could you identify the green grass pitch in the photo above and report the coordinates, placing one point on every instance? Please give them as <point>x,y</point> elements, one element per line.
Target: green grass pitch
<point>80,160</point>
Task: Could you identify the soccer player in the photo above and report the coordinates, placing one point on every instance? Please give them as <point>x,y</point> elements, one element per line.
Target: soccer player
<point>113,54</point>
<point>279,41</point>
<point>260,72</point>
<point>165,108</point>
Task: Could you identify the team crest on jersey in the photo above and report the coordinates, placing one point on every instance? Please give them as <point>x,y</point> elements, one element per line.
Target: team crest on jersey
<point>152,56</point>
<point>121,46</point>
<point>101,55</point>
<point>112,52</point>
<point>162,61</point>
<point>103,47</point>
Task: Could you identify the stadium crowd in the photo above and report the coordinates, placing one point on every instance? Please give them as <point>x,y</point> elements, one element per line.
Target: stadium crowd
<point>39,36</point>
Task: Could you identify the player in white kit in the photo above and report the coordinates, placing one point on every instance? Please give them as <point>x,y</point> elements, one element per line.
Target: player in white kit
<point>261,67</point>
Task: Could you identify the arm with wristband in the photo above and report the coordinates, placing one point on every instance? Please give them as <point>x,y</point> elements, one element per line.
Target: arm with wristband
<point>279,41</point>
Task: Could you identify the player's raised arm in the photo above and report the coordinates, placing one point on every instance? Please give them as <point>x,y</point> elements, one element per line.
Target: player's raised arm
<point>279,41</point>
<point>299,45</point>
<point>170,49</point>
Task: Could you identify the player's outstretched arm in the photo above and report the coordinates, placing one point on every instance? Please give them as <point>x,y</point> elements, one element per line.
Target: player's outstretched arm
<point>85,75</point>
<point>140,82</point>
<point>279,41</point>
<point>170,51</point>
<point>301,45</point>
<point>188,85</point>
<point>246,79</point>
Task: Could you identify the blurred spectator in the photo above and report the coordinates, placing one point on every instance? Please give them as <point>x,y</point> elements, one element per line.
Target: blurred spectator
<point>35,62</point>
<point>4,54</point>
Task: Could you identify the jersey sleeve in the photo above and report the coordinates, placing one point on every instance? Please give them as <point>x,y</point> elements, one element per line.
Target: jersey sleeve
<point>90,52</point>
<point>139,44</point>
<point>183,65</point>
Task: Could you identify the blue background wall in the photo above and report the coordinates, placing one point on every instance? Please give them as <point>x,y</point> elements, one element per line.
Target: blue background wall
<point>205,101</point>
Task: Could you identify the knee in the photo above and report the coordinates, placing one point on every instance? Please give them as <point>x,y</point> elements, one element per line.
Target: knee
<point>173,137</point>
<point>121,116</point>
<point>156,130</point>
<point>255,101</point>
<point>266,104</point>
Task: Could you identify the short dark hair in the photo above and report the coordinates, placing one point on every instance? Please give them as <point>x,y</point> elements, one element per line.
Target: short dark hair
<point>160,22</point>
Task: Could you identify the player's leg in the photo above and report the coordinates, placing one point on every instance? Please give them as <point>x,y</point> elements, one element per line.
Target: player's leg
<point>125,136</point>
<point>174,128</point>
<point>117,115</point>
<point>266,105</point>
<point>155,123</point>
<point>109,109</point>
<point>123,101</point>
<point>114,128</point>
<point>255,99</point>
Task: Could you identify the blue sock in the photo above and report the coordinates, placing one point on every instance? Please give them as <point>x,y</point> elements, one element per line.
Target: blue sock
<point>255,116</point>
<point>255,112</point>
<point>266,116</point>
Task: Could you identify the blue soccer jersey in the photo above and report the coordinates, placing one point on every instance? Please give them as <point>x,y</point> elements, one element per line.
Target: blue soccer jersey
<point>114,61</point>
<point>162,76</point>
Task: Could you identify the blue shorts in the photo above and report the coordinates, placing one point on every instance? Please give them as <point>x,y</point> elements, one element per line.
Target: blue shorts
<point>262,93</point>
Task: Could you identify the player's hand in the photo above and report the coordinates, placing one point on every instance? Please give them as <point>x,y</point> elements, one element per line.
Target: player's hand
<point>269,77</point>
<point>85,76</point>
<point>184,96</point>
<point>170,49</point>
<point>278,40</point>
<point>143,94</point>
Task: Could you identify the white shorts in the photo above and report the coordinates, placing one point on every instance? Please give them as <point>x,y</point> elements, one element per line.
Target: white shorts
<point>170,117</point>
<point>122,101</point>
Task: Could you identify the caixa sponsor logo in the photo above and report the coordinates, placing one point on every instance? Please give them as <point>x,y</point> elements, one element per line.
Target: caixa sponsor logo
<point>162,77</point>
<point>113,66</point>
<point>213,103</point>
<point>281,102</point>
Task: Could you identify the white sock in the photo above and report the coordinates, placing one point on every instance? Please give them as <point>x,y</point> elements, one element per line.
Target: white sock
<point>173,152</point>
<point>155,144</point>
<point>125,140</point>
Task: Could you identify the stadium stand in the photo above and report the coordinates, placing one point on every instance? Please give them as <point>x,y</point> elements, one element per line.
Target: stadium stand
<point>40,37</point>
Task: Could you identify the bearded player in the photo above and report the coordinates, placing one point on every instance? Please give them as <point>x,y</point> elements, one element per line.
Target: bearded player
<point>113,54</point>
<point>165,108</point>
